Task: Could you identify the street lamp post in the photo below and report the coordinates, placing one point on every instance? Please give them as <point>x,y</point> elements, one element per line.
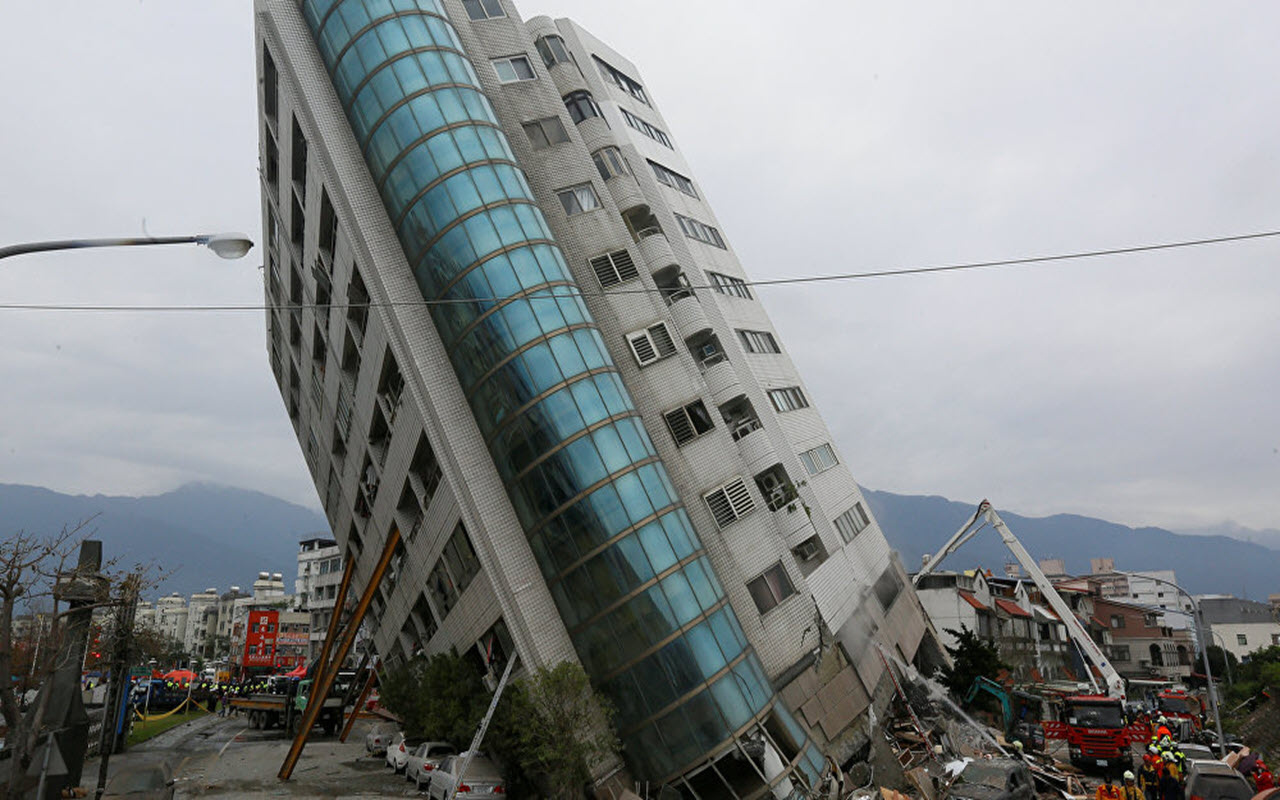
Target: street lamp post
<point>225,245</point>
<point>1225,657</point>
<point>1204,650</point>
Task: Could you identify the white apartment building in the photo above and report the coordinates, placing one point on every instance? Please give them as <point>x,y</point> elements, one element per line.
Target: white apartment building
<point>202,613</point>
<point>316,588</point>
<point>171,617</point>
<point>508,327</point>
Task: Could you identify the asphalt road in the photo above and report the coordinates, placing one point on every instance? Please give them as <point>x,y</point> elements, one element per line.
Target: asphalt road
<point>217,757</point>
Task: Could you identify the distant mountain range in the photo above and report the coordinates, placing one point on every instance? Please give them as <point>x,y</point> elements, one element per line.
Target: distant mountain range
<point>202,534</point>
<point>1210,563</point>
<point>210,535</point>
<point>1267,537</point>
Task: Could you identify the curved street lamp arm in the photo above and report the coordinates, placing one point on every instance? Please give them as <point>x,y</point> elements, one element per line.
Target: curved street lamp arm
<point>76,244</point>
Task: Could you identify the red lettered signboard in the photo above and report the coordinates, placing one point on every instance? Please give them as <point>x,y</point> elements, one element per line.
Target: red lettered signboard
<point>260,639</point>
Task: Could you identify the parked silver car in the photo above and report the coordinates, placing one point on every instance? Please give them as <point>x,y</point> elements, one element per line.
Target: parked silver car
<point>423,761</point>
<point>1215,780</point>
<point>483,780</point>
<point>377,739</point>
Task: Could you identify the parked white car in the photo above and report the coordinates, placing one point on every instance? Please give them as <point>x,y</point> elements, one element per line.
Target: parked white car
<point>398,750</point>
<point>483,780</point>
<point>424,760</point>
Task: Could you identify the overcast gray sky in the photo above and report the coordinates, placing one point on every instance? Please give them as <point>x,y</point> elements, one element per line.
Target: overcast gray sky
<point>1140,389</point>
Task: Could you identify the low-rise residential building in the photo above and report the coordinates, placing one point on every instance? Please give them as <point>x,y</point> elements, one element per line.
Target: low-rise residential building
<point>1241,626</point>
<point>1152,588</point>
<point>1141,647</point>
<point>1009,613</point>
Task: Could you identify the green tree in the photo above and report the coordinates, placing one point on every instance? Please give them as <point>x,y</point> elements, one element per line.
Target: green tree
<point>971,656</point>
<point>548,730</point>
<point>1219,660</point>
<point>564,728</point>
<point>1261,671</point>
<point>441,698</point>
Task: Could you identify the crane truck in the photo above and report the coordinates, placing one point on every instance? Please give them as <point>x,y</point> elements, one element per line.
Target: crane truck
<point>1093,723</point>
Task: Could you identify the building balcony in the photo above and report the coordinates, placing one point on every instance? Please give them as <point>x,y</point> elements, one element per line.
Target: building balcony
<point>722,380</point>
<point>625,192</point>
<point>797,525</point>
<point>655,249</point>
<point>595,133</point>
<point>689,316</point>
<point>755,446</point>
<point>567,78</point>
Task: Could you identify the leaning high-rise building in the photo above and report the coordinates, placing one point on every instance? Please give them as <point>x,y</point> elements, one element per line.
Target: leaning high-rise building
<point>505,322</point>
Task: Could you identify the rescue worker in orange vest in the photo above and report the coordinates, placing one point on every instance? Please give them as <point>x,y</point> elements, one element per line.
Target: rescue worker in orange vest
<point>1149,776</point>
<point>1107,790</point>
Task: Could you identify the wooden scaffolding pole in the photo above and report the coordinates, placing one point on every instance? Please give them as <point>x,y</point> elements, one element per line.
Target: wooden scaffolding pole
<point>324,680</point>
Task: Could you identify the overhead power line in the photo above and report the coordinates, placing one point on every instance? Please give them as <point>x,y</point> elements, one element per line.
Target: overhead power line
<point>575,292</point>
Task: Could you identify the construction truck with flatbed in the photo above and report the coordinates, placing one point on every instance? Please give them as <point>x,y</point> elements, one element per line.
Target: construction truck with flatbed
<point>1094,724</point>
<point>285,701</point>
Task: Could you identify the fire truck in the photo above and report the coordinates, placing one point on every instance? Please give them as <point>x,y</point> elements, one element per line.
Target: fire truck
<point>1093,724</point>
<point>1177,704</point>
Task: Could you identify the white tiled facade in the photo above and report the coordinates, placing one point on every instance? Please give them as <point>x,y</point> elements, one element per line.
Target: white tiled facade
<point>363,436</point>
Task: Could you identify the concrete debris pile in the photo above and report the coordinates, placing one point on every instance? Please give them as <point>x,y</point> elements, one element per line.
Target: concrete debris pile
<point>930,749</point>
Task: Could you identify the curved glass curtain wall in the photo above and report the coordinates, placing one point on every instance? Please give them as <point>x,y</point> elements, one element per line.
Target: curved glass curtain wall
<point>631,580</point>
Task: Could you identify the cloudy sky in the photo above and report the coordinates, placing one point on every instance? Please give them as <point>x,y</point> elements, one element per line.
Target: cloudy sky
<point>1142,389</point>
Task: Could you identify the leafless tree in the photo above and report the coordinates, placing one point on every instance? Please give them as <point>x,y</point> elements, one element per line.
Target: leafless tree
<point>30,566</point>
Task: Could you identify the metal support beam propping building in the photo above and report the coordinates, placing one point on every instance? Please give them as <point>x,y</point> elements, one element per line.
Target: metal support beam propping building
<point>327,669</point>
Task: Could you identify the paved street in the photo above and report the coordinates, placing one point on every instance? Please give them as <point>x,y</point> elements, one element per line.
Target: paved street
<point>213,757</point>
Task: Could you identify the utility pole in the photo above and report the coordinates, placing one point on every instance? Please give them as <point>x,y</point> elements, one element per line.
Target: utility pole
<point>118,693</point>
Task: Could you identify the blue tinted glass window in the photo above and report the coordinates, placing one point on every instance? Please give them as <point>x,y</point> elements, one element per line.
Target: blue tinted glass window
<point>724,634</point>
<point>486,179</point>
<point>732,703</point>
<point>443,33</point>
<point>526,266</point>
<point>631,490</point>
<point>611,450</point>
<point>703,583</point>
<point>504,218</point>
<point>586,461</point>
<point>415,28</point>
<point>484,237</point>
<point>608,507</point>
<point>706,653</point>
<point>705,721</point>
<point>393,37</point>
<point>656,546</point>
<point>444,152</point>
<point>463,191</point>
<point>681,597</point>
<point>678,661</point>
<point>353,16</point>
<point>679,533</point>
<point>589,400</point>
<point>454,247</point>
<point>409,75</point>
<point>566,352</point>
<point>459,72</point>
<point>502,279</point>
